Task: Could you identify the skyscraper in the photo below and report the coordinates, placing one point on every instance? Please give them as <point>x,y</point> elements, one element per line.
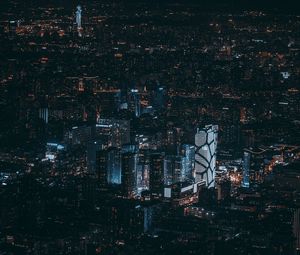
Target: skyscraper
<point>129,169</point>
<point>78,16</point>
<point>143,170</point>
<point>81,135</point>
<point>156,173</point>
<point>91,152</point>
<point>205,154</point>
<point>134,104</point>
<point>102,159</point>
<point>173,169</point>
<point>43,114</point>
<point>108,166</point>
<point>159,98</point>
<point>296,229</point>
<point>188,152</point>
<point>113,132</point>
<point>171,141</point>
<point>114,166</point>
<point>246,169</point>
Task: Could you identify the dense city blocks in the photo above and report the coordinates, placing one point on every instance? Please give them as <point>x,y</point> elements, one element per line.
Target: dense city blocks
<point>149,127</point>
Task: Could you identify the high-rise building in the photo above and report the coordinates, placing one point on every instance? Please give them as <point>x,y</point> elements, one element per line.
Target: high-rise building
<point>134,104</point>
<point>52,150</point>
<point>156,173</point>
<point>296,229</point>
<point>205,154</point>
<point>113,132</point>
<point>171,141</point>
<point>102,162</point>
<point>81,135</point>
<point>143,170</point>
<point>78,17</point>
<point>246,169</point>
<point>173,169</point>
<point>188,152</point>
<point>92,148</point>
<point>159,99</point>
<point>43,114</point>
<point>129,169</point>
<point>108,166</point>
<point>110,102</point>
<point>114,166</point>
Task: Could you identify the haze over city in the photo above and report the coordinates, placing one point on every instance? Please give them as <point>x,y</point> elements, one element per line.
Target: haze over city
<point>149,127</point>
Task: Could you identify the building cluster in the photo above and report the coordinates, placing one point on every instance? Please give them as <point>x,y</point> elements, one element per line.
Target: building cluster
<point>148,129</point>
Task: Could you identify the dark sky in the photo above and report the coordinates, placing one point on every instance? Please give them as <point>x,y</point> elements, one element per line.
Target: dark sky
<point>293,5</point>
<point>285,6</point>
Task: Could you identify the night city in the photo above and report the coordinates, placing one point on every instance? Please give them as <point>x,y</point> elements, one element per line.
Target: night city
<point>149,127</point>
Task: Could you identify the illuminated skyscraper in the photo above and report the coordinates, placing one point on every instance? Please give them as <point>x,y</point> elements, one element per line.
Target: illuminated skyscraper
<point>43,114</point>
<point>159,99</point>
<point>108,166</point>
<point>92,148</point>
<point>81,135</point>
<point>246,169</point>
<point>296,229</point>
<point>102,159</point>
<point>114,166</point>
<point>171,141</point>
<point>44,111</point>
<point>174,168</point>
<point>156,172</point>
<point>134,104</point>
<point>113,132</point>
<point>205,154</point>
<point>188,152</point>
<point>129,169</point>
<point>78,16</point>
<point>143,171</point>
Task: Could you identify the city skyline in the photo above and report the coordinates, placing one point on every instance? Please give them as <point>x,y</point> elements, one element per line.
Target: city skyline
<point>149,127</point>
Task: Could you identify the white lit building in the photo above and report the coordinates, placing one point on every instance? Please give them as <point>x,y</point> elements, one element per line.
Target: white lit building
<point>205,154</point>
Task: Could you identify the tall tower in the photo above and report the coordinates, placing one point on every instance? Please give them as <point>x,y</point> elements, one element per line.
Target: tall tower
<point>114,166</point>
<point>78,16</point>
<point>246,169</point>
<point>134,104</point>
<point>156,172</point>
<point>174,169</point>
<point>43,114</point>
<point>128,175</point>
<point>188,152</point>
<point>102,162</point>
<point>205,154</point>
<point>296,229</point>
<point>91,155</point>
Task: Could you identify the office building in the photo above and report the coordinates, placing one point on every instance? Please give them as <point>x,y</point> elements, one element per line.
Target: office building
<point>205,154</point>
<point>44,114</point>
<point>129,169</point>
<point>173,169</point>
<point>134,104</point>
<point>188,152</point>
<point>156,173</point>
<point>92,148</point>
<point>114,166</point>
<point>78,17</point>
<point>114,133</point>
<point>81,135</point>
<point>296,229</point>
<point>159,98</point>
<point>101,164</point>
<point>246,169</point>
<point>143,169</point>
